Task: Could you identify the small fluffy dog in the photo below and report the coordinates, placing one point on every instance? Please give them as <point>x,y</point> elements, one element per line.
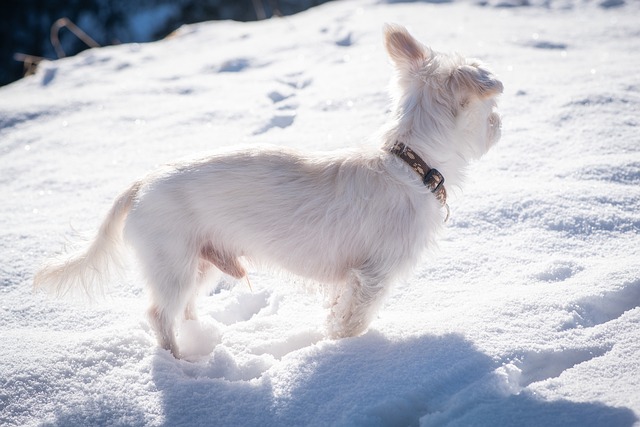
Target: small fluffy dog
<point>353,220</point>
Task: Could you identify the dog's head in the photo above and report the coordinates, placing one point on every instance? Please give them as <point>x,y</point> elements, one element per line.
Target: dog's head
<point>446,99</point>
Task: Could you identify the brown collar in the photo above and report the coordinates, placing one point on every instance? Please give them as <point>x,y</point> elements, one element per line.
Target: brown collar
<point>431,178</point>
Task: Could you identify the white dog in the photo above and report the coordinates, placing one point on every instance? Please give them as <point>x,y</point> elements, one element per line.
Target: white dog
<point>352,220</point>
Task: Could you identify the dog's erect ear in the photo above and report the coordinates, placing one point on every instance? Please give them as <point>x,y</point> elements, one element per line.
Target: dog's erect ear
<point>403,49</point>
<point>477,80</point>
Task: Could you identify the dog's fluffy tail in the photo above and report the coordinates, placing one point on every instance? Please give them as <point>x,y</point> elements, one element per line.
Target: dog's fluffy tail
<point>90,268</point>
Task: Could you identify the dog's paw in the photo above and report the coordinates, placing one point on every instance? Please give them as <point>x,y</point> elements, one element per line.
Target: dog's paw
<point>344,320</point>
<point>344,329</point>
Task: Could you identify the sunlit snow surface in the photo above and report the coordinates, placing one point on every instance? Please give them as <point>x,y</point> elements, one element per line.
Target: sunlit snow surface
<point>526,315</point>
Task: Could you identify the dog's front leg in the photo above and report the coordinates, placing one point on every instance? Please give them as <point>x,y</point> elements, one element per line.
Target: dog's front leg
<point>355,305</point>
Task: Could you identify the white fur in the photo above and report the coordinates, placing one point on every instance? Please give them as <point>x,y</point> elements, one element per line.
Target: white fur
<point>354,220</point>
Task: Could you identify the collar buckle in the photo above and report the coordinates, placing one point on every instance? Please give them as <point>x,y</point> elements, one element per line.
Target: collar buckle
<point>433,180</point>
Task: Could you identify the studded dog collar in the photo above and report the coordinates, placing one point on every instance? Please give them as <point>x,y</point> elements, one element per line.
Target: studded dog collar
<point>431,178</point>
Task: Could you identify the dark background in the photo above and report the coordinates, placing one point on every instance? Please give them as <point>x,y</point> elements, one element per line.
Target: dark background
<point>25,25</point>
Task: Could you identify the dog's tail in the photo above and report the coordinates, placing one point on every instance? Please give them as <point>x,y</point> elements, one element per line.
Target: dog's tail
<point>89,268</point>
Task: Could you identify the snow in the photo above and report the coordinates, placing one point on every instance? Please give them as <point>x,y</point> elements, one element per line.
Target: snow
<point>526,315</point>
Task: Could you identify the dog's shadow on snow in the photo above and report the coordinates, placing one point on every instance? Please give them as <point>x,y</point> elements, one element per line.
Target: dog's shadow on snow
<point>370,381</point>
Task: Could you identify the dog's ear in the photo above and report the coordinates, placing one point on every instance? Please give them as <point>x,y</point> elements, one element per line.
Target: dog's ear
<point>476,80</point>
<point>403,49</point>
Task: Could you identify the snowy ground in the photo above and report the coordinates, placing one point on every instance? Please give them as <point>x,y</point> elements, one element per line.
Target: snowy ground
<point>526,316</point>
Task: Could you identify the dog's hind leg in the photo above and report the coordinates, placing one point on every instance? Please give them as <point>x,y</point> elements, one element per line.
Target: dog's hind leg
<point>190,312</point>
<point>172,285</point>
<point>211,258</point>
<point>206,272</point>
<point>356,304</point>
<point>162,324</point>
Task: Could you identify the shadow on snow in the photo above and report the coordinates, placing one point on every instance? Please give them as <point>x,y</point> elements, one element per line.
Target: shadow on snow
<point>371,381</point>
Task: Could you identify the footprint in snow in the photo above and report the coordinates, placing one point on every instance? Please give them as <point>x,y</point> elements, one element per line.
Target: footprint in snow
<point>284,99</point>
<point>279,349</point>
<point>558,271</point>
<point>234,65</point>
<point>548,45</point>
<point>296,81</point>
<point>536,366</point>
<point>599,309</point>
<point>277,96</point>
<point>277,121</point>
<point>243,307</point>
<point>345,41</point>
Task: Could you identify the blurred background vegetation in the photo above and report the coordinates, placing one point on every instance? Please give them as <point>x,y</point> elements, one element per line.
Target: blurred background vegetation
<point>27,26</point>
